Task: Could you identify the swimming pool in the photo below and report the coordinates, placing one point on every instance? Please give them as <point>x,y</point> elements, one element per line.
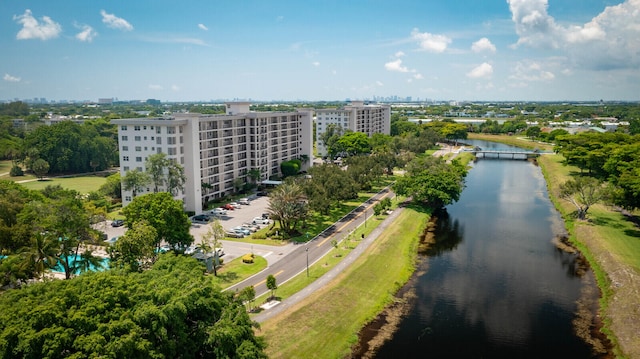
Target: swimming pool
<point>104,264</point>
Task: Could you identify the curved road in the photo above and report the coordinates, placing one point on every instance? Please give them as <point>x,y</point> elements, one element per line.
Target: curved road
<point>296,261</point>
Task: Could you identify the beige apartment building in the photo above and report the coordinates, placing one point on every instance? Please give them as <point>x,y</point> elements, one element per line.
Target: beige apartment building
<point>216,149</point>
<point>357,117</point>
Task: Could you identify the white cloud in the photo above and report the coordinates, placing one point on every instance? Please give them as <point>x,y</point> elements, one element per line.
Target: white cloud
<point>203,27</point>
<point>87,34</point>
<point>396,66</point>
<point>33,29</point>
<point>483,44</point>
<point>115,22</point>
<point>399,54</point>
<point>418,76</point>
<point>609,41</point>
<point>315,63</point>
<point>530,71</point>
<point>175,88</point>
<point>379,83</point>
<point>430,42</point>
<point>174,40</point>
<point>483,70</point>
<point>10,78</point>
<point>156,87</point>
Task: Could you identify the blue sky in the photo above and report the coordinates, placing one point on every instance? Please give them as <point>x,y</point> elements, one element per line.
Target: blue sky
<point>484,50</point>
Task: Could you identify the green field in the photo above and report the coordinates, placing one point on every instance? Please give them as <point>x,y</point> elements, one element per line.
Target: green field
<point>326,323</point>
<point>84,184</point>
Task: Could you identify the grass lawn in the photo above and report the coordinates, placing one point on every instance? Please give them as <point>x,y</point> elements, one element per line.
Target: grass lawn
<point>236,271</point>
<point>84,184</point>
<point>5,166</point>
<point>326,323</point>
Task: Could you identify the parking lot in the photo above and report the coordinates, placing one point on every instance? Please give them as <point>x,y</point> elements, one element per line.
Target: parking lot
<point>235,218</point>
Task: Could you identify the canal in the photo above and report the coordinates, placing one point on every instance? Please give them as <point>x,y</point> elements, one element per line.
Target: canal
<point>496,283</point>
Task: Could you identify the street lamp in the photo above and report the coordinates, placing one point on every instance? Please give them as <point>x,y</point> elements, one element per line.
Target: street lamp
<point>306,249</point>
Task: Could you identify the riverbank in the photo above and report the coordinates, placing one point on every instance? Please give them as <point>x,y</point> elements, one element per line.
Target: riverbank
<point>327,322</point>
<point>608,241</point>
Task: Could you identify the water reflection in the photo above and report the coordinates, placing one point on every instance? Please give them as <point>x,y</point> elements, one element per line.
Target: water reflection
<point>494,285</point>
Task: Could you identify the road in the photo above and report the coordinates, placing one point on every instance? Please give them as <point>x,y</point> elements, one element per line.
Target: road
<point>296,261</point>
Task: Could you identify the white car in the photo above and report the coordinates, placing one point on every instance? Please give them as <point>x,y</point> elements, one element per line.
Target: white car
<point>218,212</point>
<point>244,201</point>
<point>260,220</point>
<point>236,205</point>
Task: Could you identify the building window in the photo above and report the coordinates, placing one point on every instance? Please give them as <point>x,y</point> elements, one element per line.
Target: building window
<point>137,138</point>
<point>127,198</point>
<point>138,159</point>
<point>158,130</point>
<point>171,151</point>
<point>138,148</point>
<point>125,148</point>
<point>171,130</point>
<point>159,141</point>
<point>125,158</point>
<point>171,140</point>
<point>126,168</point>
<point>145,138</point>
<point>123,128</point>
<point>136,128</point>
<point>125,138</point>
<point>144,127</point>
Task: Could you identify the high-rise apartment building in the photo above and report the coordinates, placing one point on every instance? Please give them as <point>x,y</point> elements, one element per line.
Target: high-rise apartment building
<point>216,151</point>
<point>357,117</point>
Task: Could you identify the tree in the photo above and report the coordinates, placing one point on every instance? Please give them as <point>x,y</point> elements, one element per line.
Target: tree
<point>328,186</point>
<point>533,132</point>
<point>248,295</point>
<point>40,168</point>
<point>135,250</point>
<point>163,213</point>
<point>88,261</point>
<point>432,181</point>
<point>135,181</point>
<point>254,175</point>
<point>211,241</point>
<point>272,286</point>
<point>41,255</point>
<point>354,143</point>
<point>113,186</point>
<point>582,192</point>
<point>155,166</point>
<point>330,137</point>
<point>287,206</point>
<point>169,311</point>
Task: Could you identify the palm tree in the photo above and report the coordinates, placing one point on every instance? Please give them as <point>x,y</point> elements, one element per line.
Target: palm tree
<point>87,261</point>
<point>42,254</point>
<point>288,205</point>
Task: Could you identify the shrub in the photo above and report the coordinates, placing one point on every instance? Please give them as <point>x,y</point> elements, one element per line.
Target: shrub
<point>247,258</point>
<point>16,171</point>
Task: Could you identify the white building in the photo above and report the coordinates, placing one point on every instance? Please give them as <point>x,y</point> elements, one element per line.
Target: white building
<point>357,117</point>
<point>216,149</point>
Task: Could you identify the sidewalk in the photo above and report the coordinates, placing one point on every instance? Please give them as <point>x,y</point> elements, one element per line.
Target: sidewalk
<point>331,274</point>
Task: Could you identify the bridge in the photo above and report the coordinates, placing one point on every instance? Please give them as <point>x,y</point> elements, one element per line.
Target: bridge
<point>505,154</point>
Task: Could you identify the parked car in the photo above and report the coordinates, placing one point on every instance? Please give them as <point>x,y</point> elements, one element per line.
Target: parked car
<point>242,230</point>
<point>260,220</point>
<point>164,248</point>
<point>251,227</point>
<point>229,207</point>
<point>192,249</point>
<point>244,201</point>
<point>219,251</point>
<point>201,218</point>
<point>233,234</point>
<point>112,241</point>
<point>235,205</point>
<point>262,193</point>
<point>218,212</point>
<point>117,223</point>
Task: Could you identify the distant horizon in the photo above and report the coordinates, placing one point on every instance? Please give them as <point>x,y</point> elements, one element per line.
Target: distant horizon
<point>464,50</point>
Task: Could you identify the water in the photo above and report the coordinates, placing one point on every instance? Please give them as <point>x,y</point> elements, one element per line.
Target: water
<point>104,264</point>
<point>495,285</point>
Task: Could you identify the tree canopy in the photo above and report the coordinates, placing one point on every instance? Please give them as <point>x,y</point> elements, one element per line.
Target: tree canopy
<point>169,311</point>
<point>165,214</point>
<point>432,181</point>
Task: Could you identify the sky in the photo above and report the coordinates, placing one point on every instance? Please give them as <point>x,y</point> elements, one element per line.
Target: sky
<point>261,50</point>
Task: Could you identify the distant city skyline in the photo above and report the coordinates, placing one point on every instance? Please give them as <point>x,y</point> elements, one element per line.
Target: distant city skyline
<point>465,50</point>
